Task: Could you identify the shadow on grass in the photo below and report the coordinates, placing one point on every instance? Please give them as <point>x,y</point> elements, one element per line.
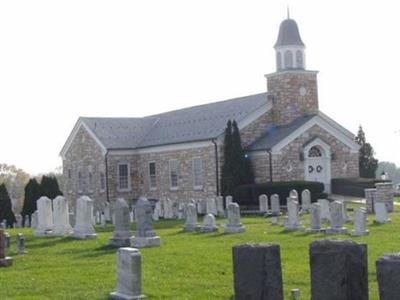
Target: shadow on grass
<point>103,250</point>
<point>48,241</point>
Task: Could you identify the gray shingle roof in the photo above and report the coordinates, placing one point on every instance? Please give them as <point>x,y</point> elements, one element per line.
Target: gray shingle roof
<point>289,34</point>
<point>195,123</point>
<point>275,134</point>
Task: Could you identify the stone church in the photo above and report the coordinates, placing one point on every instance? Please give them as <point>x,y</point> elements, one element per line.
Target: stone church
<point>179,154</point>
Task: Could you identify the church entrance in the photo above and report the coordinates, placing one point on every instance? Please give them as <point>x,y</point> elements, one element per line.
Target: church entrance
<point>317,163</point>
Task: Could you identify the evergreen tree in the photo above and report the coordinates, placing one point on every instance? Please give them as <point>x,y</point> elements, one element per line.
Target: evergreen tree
<point>49,187</point>
<point>32,194</point>
<point>367,163</point>
<point>226,176</point>
<point>6,212</point>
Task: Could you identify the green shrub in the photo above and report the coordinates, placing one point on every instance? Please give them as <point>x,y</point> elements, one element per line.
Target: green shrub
<point>248,194</point>
<point>353,186</point>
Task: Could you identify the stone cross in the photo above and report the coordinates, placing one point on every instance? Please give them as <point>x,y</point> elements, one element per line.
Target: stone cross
<point>129,275</point>
<point>234,225</point>
<point>122,233</point>
<point>388,274</point>
<point>220,206</point>
<point>263,203</point>
<point>306,201</point>
<point>339,270</point>
<point>337,221</point>
<point>275,205</point>
<point>144,236</point>
<point>61,217</point>
<point>191,218</point>
<point>325,213</point>
<point>83,228</point>
<point>45,217</point>
<point>209,223</point>
<point>257,272</point>
<point>293,221</point>
<point>315,218</point>
<point>21,244</point>
<point>381,213</point>
<point>360,222</point>
<point>5,261</point>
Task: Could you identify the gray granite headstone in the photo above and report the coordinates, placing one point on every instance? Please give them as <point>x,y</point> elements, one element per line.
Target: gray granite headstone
<point>21,244</point>
<point>7,237</point>
<point>293,220</point>
<point>388,275</point>
<point>263,203</point>
<point>211,207</point>
<point>220,206</point>
<point>257,272</point>
<point>306,201</point>
<point>325,213</point>
<point>234,225</point>
<point>360,222</point>
<point>315,218</point>
<point>122,233</point>
<point>275,205</point>
<point>339,270</point>
<point>83,228</point>
<point>209,224</point>
<point>61,217</point>
<point>337,221</point>
<point>5,261</point>
<point>191,218</point>
<point>129,275</point>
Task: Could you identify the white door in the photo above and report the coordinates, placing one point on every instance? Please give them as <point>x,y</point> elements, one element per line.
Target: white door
<point>317,166</point>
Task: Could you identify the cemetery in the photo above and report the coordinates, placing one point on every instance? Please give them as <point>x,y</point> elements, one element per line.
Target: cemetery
<point>203,255</point>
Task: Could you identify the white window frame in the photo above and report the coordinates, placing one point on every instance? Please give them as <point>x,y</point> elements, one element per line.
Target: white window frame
<point>172,187</point>
<point>152,176</point>
<point>128,188</point>
<point>197,186</point>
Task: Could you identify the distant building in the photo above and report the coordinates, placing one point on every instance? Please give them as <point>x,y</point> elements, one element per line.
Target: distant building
<point>178,154</point>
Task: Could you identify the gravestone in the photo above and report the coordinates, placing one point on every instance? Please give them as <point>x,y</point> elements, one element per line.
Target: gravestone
<point>381,213</point>
<point>175,210</point>
<point>325,212</point>
<point>19,221</point>
<point>129,275</point>
<point>220,206</point>
<point>385,194</point>
<point>103,220</point>
<point>294,194</point>
<point>45,217</point>
<point>257,272</point>
<point>234,225</point>
<point>157,211</point>
<point>72,219</point>
<point>61,217</point>
<point>370,196</point>
<point>209,224</point>
<point>346,217</point>
<point>263,203</point>
<point>168,209</point>
<point>3,224</point>
<point>20,244</point>
<point>228,200</point>
<point>337,221</point>
<point>306,201</point>
<point>388,275</point>
<point>315,225</point>
<point>339,270</point>
<point>5,261</point>
<point>181,210</point>
<point>191,218</point>
<point>122,233</point>
<point>201,206</point>
<point>144,236</point>
<point>275,205</point>
<point>211,206</point>
<point>83,228</point>
<point>293,220</point>
<point>295,294</point>
<point>107,212</point>
<point>7,238</point>
<point>360,222</point>
<point>34,219</point>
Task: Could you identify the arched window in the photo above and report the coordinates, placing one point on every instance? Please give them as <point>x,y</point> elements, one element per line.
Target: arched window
<point>278,61</point>
<point>299,59</point>
<point>314,152</point>
<point>288,59</point>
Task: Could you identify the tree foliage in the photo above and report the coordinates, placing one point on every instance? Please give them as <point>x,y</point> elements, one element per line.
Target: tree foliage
<point>32,194</point>
<point>6,212</point>
<point>367,162</point>
<point>390,169</point>
<point>49,187</point>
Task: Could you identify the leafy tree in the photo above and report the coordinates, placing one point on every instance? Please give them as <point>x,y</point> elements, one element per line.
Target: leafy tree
<point>6,212</point>
<point>367,163</point>
<point>49,187</point>
<point>32,194</point>
<point>227,168</point>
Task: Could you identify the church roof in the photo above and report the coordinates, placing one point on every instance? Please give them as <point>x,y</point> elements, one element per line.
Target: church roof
<point>202,122</point>
<point>289,34</point>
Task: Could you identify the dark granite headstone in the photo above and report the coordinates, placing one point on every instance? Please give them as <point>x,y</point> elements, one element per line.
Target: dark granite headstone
<point>339,270</point>
<point>388,273</point>
<point>257,272</point>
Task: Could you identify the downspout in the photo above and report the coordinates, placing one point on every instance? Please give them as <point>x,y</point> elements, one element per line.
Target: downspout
<point>270,165</point>
<point>216,165</point>
<point>107,190</point>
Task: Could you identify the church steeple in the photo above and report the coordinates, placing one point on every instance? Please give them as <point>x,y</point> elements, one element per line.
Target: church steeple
<point>289,47</point>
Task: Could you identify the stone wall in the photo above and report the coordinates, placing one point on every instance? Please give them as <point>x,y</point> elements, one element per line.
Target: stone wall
<point>256,129</point>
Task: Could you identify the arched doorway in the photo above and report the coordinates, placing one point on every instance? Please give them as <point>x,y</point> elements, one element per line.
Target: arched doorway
<point>317,166</point>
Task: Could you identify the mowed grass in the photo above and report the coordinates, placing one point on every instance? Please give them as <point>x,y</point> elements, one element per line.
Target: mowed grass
<point>186,266</point>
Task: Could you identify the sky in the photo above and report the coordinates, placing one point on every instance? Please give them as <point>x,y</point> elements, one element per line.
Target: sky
<point>63,59</point>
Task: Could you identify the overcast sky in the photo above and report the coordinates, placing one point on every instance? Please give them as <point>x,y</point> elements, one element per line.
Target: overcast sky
<point>63,59</point>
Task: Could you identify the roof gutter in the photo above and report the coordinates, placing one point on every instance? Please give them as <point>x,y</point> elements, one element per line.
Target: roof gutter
<point>269,151</point>
<point>107,189</point>
<point>216,167</point>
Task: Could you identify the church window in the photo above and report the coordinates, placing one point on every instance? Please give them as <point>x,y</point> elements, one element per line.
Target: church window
<point>197,172</point>
<point>278,60</point>
<point>173,173</point>
<point>152,175</point>
<point>123,176</point>
<point>314,152</point>
<point>299,59</point>
<point>288,59</point>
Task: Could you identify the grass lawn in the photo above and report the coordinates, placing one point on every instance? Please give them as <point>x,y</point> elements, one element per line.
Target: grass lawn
<point>186,266</point>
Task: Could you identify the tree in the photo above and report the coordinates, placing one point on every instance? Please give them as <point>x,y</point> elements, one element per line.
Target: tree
<point>244,168</point>
<point>390,169</point>
<point>227,168</point>
<point>6,212</point>
<point>49,187</point>
<point>32,194</point>
<point>367,163</point>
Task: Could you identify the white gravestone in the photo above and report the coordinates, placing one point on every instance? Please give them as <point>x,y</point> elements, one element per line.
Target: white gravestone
<point>294,194</point>
<point>144,236</point>
<point>168,209</point>
<point>34,219</point>
<point>107,212</point>
<point>129,275</point>
<point>122,233</point>
<point>61,217</point>
<point>191,218</point>
<point>325,213</point>
<point>220,206</point>
<point>181,210</point>
<point>275,205</point>
<point>19,221</point>
<point>346,217</point>
<point>234,225</point>
<point>381,213</point>
<point>211,206</point>
<point>83,228</point>
<point>360,222</point>
<point>293,220</point>
<point>45,217</point>
<point>209,224</point>
<point>337,221</point>
<point>228,200</point>
<point>263,203</point>
<point>306,201</point>
<point>315,225</point>
<point>157,211</point>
